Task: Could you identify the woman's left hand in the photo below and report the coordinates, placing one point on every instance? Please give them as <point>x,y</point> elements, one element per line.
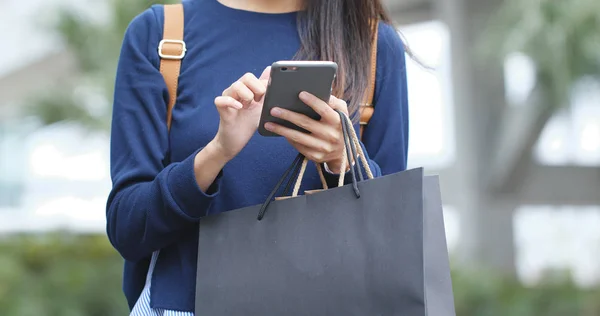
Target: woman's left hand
<point>325,143</point>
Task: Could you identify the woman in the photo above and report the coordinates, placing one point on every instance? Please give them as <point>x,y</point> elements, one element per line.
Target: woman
<point>212,160</point>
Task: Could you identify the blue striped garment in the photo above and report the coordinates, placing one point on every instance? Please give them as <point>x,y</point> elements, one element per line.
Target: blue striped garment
<point>142,306</point>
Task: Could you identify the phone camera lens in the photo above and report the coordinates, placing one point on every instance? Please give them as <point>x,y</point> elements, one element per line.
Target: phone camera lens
<point>284,69</point>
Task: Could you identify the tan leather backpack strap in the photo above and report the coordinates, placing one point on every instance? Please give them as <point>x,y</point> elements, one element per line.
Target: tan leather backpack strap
<point>367,109</point>
<point>171,51</point>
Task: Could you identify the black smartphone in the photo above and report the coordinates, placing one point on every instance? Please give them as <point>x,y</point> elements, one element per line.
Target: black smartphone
<point>288,79</point>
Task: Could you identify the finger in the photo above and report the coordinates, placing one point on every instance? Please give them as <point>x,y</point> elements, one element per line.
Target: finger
<point>309,153</point>
<point>319,106</point>
<point>301,120</point>
<point>338,104</point>
<point>228,102</point>
<point>255,85</point>
<point>239,91</point>
<point>266,74</point>
<point>301,138</point>
<point>265,78</point>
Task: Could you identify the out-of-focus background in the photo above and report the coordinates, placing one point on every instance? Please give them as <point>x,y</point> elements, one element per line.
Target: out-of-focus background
<point>509,117</point>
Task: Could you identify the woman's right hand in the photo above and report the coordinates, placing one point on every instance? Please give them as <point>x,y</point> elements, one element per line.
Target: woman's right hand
<point>239,108</point>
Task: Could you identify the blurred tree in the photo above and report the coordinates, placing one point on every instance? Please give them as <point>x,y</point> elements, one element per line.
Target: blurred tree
<point>561,37</point>
<point>562,40</point>
<point>95,47</point>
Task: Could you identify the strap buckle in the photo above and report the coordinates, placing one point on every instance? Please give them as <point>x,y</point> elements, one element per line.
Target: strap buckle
<point>173,51</point>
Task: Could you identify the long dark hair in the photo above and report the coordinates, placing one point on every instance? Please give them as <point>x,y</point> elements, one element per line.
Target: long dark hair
<point>342,31</point>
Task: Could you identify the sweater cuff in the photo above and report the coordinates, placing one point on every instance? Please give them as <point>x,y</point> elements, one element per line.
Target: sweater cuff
<point>192,201</point>
<point>326,167</point>
<point>332,178</point>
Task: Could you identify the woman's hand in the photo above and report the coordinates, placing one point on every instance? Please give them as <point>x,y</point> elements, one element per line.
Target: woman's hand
<point>325,143</point>
<point>239,108</point>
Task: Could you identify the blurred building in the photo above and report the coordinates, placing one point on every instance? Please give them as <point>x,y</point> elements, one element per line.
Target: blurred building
<point>522,193</point>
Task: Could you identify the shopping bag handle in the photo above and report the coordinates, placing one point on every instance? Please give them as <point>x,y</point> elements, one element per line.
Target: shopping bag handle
<point>293,166</point>
<point>298,168</point>
<point>350,142</point>
<point>352,149</point>
<point>357,154</point>
<point>356,144</point>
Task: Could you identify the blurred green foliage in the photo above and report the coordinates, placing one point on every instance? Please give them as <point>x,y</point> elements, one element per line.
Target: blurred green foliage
<point>60,275</point>
<point>561,37</point>
<point>95,47</point>
<point>486,294</point>
<point>80,275</point>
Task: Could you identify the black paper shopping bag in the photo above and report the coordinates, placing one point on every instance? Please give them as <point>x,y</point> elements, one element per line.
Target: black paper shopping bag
<point>374,247</point>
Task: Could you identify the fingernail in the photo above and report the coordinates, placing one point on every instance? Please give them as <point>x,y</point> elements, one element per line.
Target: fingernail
<point>276,112</point>
<point>269,126</point>
<point>303,95</point>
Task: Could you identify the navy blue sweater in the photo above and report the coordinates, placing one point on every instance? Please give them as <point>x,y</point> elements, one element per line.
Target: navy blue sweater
<point>155,203</point>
